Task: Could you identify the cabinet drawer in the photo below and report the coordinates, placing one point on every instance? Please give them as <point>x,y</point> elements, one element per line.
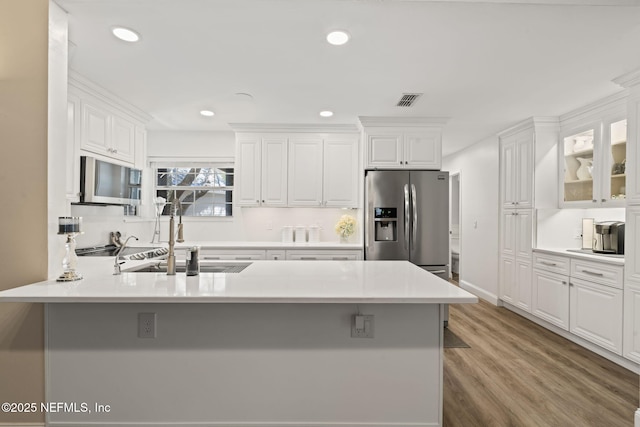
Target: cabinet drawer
<point>552,263</point>
<point>320,255</point>
<point>605,274</point>
<point>232,254</point>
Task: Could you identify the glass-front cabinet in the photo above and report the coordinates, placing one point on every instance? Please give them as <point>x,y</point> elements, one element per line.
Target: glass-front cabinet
<point>593,164</point>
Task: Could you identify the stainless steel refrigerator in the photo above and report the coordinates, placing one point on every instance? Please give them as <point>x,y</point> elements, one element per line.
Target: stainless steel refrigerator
<point>407,218</point>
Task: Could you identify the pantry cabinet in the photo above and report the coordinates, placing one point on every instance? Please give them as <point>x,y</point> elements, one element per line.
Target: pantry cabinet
<point>261,169</point>
<point>516,170</point>
<point>515,252</point>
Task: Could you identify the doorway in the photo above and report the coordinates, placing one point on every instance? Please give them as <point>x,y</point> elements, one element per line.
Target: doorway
<point>454,227</point>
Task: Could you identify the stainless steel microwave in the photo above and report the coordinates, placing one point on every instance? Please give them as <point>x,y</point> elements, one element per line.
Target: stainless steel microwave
<point>108,183</point>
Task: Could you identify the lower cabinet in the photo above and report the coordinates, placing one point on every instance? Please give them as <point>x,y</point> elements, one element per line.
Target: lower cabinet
<point>585,298</point>
<point>310,254</point>
<point>551,298</point>
<point>515,282</point>
<point>324,255</point>
<point>631,342</point>
<point>596,314</point>
<point>232,254</point>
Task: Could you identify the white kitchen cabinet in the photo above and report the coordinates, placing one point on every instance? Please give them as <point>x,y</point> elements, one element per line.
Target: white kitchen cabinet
<point>397,149</point>
<point>516,169</point>
<point>106,133</point>
<point>508,279</point>
<point>631,329</point>
<point>324,255</point>
<point>596,313</point>
<point>305,171</point>
<point>550,298</point>
<point>261,170</point>
<point>523,281</point>
<point>592,153</point>
<point>323,172</point>
<point>516,257</point>
<point>233,254</point>
<point>276,255</point>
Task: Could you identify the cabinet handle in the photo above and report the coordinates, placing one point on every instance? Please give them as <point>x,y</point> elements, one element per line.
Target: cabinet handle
<point>564,282</point>
<point>593,273</point>
<point>551,264</point>
<point>115,151</point>
<point>257,201</point>
<point>275,257</point>
<point>212,257</point>
<point>570,284</point>
<point>594,201</point>
<point>243,257</point>
<point>340,258</point>
<point>516,203</point>
<point>604,200</point>
<point>263,201</point>
<point>308,258</point>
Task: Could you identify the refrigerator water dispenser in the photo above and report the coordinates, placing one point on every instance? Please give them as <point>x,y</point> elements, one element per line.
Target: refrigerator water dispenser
<point>386,224</point>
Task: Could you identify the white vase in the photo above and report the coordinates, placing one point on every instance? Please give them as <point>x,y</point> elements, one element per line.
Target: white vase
<point>584,171</point>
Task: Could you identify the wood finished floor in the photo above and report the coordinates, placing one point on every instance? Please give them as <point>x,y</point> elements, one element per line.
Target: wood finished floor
<point>519,374</point>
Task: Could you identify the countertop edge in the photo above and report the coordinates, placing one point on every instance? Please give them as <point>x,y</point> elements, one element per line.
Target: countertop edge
<point>594,258</point>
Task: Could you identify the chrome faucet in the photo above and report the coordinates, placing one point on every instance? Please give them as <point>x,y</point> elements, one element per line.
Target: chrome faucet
<point>171,257</point>
<point>116,264</point>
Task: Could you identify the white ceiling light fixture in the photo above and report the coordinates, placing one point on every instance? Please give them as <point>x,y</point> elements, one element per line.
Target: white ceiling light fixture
<point>338,37</point>
<point>126,34</point>
<point>326,113</point>
<point>207,113</point>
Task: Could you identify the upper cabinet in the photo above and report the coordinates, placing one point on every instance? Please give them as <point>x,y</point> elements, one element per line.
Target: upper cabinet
<point>302,169</point>
<point>516,175</point>
<point>403,143</point>
<point>593,156</point>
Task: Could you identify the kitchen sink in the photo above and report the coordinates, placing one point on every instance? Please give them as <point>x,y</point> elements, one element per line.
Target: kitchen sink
<point>161,267</point>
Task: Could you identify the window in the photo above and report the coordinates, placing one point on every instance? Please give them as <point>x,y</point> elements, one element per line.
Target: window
<point>203,191</point>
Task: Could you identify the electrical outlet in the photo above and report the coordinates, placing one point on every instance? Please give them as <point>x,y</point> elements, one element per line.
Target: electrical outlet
<point>362,326</point>
<point>147,325</point>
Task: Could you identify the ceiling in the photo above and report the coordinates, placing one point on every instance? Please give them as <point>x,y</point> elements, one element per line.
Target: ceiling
<point>485,65</point>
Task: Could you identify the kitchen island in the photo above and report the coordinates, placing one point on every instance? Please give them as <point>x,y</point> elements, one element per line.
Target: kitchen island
<point>269,346</point>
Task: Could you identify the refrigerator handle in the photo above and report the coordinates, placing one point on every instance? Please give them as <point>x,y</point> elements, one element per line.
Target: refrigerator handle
<point>367,215</point>
<point>406,216</point>
<point>414,209</point>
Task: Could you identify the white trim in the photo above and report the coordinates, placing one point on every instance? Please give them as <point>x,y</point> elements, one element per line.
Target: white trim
<point>82,83</point>
<point>619,360</point>
<point>610,105</point>
<point>628,80</point>
<point>293,128</point>
<point>479,292</point>
<point>530,123</point>
<point>239,424</point>
<point>22,424</point>
<point>636,418</point>
<point>373,121</point>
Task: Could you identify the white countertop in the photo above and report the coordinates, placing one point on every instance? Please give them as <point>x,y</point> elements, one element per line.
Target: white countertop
<point>589,256</point>
<point>261,282</point>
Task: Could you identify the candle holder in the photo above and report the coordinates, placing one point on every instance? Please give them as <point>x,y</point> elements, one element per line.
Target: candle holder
<point>160,204</point>
<point>69,226</point>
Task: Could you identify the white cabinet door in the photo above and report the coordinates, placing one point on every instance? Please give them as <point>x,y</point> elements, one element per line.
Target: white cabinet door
<point>423,150</point>
<point>508,279</point>
<point>324,255</point>
<point>631,344</point>
<point>248,171</point>
<point>384,150</point>
<point>633,149</point>
<point>508,233</point>
<point>305,172</point>
<point>274,172</point>
<point>122,139</point>
<point>340,173</point>
<point>508,173</point>
<point>523,233</point>
<point>632,246</point>
<point>523,292</point>
<point>524,170</point>
<point>96,128</point>
<point>596,314</point>
<point>233,254</point>
<point>550,298</point>
<point>73,157</point>
<point>276,255</point>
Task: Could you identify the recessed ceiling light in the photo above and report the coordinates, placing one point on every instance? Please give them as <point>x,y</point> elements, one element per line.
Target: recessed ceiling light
<point>326,113</point>
<point>338,38</point>
<point>125,34</point>
<point>207,113</point>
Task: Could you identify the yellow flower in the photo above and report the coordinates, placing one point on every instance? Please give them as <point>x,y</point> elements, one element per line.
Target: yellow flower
<point>346,226</point>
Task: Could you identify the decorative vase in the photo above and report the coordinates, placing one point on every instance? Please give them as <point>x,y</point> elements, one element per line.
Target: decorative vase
<point>344,239</point>
<point>584,171</point>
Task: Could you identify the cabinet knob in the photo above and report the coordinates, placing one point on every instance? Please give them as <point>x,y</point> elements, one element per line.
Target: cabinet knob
<point>257,201</point>
<point>263,201</point>
<point>564,283</point>
<point>604,200</point>
<point>115,151</point>
<point>594,200</point>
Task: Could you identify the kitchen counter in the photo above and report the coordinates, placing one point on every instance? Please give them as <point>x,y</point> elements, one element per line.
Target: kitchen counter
<point>261,282</point>
<point>588,256</point>
<point>271,345</point>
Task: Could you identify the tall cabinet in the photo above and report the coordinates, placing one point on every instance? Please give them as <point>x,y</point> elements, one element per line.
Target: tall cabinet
<point>522,147</point>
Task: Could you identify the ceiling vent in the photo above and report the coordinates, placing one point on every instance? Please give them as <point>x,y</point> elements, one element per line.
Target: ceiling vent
<point>408,99</point>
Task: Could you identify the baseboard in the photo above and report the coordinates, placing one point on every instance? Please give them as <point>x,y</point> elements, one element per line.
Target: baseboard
<point>619,360</point>
<point>235,424</point>
<point>479,292</point>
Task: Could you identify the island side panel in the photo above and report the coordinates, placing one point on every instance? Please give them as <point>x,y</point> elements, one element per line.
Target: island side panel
<point>265,364</point>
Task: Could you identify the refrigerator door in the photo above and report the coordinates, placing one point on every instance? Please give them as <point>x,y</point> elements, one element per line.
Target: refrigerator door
<point>429,244</point>
<point>387,206</point>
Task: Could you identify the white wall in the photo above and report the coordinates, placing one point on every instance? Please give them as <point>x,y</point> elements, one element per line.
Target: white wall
<point>561,228</point>
<point>479,192</point>
<point>180,144</point>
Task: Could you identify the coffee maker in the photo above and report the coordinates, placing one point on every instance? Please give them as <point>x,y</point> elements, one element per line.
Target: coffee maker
<point>608,237</point>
